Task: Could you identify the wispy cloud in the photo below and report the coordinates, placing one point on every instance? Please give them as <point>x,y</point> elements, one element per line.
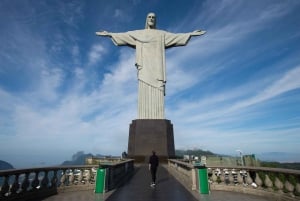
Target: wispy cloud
<point>96,54</point>
<point>76,114</point>
<point>69,90</point>
<point>50,81</point>
<point>286,83</point>
<point>118,13</point>
<point>223,116</point>
<point>71,12</point>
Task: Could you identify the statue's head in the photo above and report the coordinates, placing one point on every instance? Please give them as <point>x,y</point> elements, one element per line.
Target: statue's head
<point>150,21</point>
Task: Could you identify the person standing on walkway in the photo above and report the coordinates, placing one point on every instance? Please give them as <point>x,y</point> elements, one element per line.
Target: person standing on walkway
<point>153,164</point>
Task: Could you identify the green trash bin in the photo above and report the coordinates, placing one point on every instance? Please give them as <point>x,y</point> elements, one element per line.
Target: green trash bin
<point>203,180</point>
<point>100,180</point>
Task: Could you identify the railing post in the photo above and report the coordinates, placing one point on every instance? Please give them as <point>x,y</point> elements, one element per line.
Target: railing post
<point>25,183</point>
<point>15,187</point>
<point>54,179</point>
<point>5,187</point>
<point>194,179</point>
<point>45,180</point>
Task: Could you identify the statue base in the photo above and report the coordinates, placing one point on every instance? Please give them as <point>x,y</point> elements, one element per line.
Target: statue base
<point>147,135</point>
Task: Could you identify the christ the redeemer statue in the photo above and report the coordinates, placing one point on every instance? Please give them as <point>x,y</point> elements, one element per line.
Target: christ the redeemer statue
<point>150,44</point>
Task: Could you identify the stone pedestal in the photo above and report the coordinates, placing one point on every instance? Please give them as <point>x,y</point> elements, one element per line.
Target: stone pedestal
<point>146,135</point>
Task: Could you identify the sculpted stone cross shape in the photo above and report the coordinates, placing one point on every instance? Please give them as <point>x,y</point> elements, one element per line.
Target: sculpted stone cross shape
<point>150,44</point>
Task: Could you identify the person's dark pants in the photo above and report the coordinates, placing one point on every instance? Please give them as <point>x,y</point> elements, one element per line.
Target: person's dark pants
<point>153,173</point>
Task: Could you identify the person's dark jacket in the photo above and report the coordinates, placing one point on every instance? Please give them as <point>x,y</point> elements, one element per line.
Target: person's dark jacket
<point>153,161</point>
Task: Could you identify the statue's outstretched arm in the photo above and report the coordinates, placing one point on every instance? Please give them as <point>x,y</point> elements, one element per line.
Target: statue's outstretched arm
<point>119,38</point>
<point>103,33</point>
<point>197,33</point>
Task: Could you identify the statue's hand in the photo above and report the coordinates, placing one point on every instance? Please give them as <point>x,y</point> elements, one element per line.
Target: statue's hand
<point>102,33</point>
<point>198,33</point>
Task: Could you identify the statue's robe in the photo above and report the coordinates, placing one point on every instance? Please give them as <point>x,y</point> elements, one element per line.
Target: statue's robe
<point>150,45</point>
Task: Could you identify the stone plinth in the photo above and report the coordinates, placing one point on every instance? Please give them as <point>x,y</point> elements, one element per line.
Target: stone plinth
<point>146,135</point>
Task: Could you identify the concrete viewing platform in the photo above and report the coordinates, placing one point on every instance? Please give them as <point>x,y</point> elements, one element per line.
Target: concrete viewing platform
<point>167,188</point>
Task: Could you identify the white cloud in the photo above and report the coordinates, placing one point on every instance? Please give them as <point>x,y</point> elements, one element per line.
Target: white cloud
<point>226,142</point>
<point>83,120</point>
<point>50,81</point>
<point>289,81</point>
<point>60,111</point>
<point>70,12</point>
<point>118,13</point>
<point>96,54</point>
<point>235,106</point>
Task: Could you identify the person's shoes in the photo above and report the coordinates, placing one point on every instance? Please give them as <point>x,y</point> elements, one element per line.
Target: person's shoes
<point>152,184</point>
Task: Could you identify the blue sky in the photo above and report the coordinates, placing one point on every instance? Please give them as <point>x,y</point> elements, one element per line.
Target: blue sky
<point>63,89</point>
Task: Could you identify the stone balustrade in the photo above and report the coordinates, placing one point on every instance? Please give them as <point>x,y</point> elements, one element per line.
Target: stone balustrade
<point>184,172</point>
<point>118,173</point>
<point>280,184</point>
<point>36,183</point>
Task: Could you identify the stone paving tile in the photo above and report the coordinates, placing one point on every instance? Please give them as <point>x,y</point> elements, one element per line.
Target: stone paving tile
<point>138,189</point>
<point>214,196</point>
<point>231,196</point>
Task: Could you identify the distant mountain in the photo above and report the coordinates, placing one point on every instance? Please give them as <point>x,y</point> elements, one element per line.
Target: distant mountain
<point>5,165</point>
<point>79,158</point>
<point>282,157</point>
<point>295,166</point>
<point>195,152</point>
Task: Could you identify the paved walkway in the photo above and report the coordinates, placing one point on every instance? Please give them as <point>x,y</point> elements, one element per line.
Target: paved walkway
<point>167,189</point>
<point>138,189</point>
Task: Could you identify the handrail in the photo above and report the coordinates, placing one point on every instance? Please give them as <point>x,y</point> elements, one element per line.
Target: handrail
<point>269,169</point>
<point>265,169</point>
<point>284,183</point>
<point>39,169</point>
<point>42,182</point>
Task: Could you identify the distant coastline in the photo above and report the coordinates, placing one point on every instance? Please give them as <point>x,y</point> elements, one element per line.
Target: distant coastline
<point>5,165</point>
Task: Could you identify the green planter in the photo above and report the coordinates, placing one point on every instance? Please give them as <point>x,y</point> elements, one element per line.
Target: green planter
<point>203,180</point>
<point>100,181</point>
